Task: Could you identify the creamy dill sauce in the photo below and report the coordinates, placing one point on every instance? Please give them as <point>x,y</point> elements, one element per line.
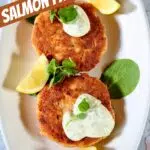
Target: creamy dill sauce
<point>80,26</point>
<point>97,123</point>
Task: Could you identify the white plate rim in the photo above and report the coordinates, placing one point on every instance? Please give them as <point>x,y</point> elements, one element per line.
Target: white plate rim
<point>2,129</point>
<point>148,106</point>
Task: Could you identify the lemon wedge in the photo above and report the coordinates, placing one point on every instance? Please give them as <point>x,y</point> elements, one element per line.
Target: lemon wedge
<point>89,148</point>
<point>106,6</point>
<point>36,79</point>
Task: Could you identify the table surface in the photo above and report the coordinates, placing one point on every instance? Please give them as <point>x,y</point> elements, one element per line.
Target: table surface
<point>147,128</point>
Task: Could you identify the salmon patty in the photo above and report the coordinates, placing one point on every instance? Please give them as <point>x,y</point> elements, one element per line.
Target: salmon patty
<point>50,39</point>
<point>55,101</point>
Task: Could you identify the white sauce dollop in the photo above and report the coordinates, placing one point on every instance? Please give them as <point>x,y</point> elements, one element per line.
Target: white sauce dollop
<point>80,26</point>
<point>98,122</point>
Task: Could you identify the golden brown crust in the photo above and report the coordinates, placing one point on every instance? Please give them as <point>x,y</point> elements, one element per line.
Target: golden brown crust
<point>52,103</point>
<point>50,39</point>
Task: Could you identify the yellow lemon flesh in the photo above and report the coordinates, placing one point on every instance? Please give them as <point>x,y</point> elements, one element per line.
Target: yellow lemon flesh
<point>36,79</point>
<point>89,148</point>
<point>106,6</point>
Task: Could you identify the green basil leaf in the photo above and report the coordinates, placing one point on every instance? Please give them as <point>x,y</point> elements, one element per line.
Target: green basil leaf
<point>68,63</point>
<point>31,19</point>
<point>81,116</point>
<point>52,15</point>
<point>52,67</point>
<point>84,105</point>
<point>121,77</point>
<point>67,14</point>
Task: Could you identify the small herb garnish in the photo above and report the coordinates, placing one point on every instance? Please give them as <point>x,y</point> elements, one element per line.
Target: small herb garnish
<point>83,106</point>
<point>52,67</point>
<point>80,116</point>
<point>121,77</point>
<point>59,77</point>
<point>31,19</point>
<point>65,15</point>
<point>59,72</point>
<point>69,71</point>
<point>35,94</point>
<point>52,15</point>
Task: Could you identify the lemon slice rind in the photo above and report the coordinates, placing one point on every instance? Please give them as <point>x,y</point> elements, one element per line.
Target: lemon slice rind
<point>36,79</point>
<point>106,7</point>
